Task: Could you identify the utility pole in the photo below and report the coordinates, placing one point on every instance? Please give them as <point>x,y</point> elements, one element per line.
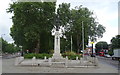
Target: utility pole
<point>83,38</point>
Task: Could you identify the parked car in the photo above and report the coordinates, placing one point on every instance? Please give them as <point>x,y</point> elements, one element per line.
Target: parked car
<point>107,56</point>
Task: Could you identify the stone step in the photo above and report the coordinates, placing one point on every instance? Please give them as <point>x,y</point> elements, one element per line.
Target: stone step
<point>57,64</point>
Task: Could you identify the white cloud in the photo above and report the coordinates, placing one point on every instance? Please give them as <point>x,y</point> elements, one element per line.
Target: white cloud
<point>5,21</point>
<point>107,15</point>
<point>109,19</point>
<point>110,32</point>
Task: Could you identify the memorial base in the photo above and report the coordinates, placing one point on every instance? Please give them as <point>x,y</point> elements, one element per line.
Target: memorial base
<point>57,58</point>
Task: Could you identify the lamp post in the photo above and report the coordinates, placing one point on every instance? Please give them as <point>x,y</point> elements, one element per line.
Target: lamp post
<point>92,49</point>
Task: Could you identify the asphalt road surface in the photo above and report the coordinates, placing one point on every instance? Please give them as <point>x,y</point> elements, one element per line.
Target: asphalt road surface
<point>109,61</point>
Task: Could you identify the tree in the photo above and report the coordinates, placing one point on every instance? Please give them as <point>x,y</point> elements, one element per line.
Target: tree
<point>33,22</point>
<point>100,46</point>
<point>63,14</point>
<point>73,21</point>
<point>30,20</point>
<point>115,42</point>
<point>8,47</point>
<point>4,45</point>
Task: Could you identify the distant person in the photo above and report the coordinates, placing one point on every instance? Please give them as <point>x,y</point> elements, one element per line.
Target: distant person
<point>22,53</point>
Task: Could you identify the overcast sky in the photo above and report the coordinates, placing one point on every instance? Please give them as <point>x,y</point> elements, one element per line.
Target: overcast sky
<point>106,12</point>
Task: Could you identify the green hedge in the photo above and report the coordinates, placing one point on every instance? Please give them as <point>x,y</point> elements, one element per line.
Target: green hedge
<point>71,55</point>
<point>38,56</point>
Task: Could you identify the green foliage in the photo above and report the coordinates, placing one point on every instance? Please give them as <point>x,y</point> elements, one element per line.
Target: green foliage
<point>33,22</point>
<point>64,14</point>
<point>30,21</point>
<point>101,45</point>
<point>38,56</point>
<point>51,51</point>
<point>71,55</point>
<point>9,48</point>
<point>72,20</point>
<point>110,53</point>
<point>115,42</point>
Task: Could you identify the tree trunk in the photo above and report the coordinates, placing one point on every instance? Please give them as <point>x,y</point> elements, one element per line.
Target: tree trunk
<point>37,46</point>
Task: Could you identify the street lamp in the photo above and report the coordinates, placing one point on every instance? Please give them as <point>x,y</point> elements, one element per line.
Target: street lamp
<point>92,49</point>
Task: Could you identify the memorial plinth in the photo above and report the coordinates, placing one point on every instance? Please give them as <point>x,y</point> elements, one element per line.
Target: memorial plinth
<point>57,55</point>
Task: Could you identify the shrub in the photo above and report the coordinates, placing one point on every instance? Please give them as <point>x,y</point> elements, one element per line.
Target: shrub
<point>110,53</point>
<point>71,55</point>
<point>38,56</point>
<point>51,51</point>
<point>29,56</point>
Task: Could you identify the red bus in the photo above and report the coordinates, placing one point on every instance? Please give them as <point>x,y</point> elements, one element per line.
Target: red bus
<point>101,53</point>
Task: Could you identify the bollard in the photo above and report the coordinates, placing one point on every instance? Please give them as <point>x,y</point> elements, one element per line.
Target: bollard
<point>49,61</point>
<point>45,58</point>
<point>66,61</point>
<point>66,57</point>
<point>34,61</point>
<point>77,58</point>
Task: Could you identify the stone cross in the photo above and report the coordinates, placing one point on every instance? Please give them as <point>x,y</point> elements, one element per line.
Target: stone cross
<point>57,40</point>
<point>57,45</point>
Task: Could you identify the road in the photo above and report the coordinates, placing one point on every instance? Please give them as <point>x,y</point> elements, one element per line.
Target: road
<point>109,61</point>
<point>9,56</point>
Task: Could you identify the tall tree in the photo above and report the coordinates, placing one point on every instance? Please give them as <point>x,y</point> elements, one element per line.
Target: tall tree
<point>30,20</point>
<point>101,45</point>
<point>92,29</point>
<point>72,20</point>
<point>115,42</point>
<point>8,47</point>
<point>63,12</point>
<point>33,22</point>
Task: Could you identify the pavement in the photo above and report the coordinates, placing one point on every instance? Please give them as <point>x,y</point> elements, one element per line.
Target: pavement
<point>9,67</point>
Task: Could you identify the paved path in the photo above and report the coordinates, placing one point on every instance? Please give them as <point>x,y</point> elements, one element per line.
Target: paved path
<point>9,67</point>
